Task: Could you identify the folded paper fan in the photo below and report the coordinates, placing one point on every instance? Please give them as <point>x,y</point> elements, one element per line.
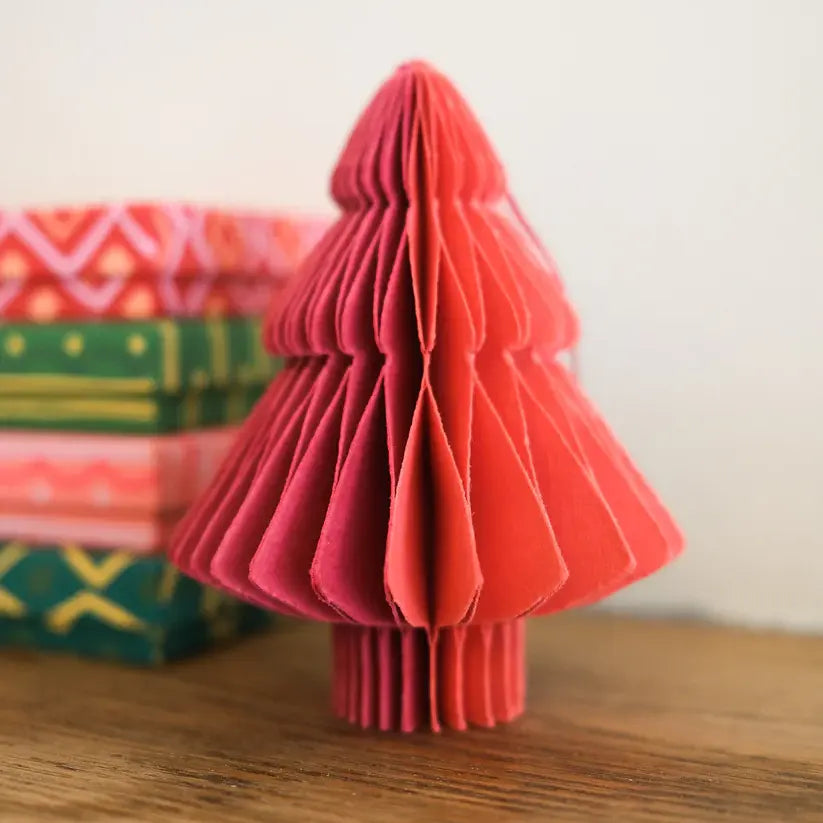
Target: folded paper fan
<point>424,473</point>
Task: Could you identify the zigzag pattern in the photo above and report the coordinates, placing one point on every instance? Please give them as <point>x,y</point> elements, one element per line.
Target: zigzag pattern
<point>94,573</point>
<point>144,260</point>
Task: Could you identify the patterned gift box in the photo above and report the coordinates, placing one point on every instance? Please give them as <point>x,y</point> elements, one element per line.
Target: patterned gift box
<point>103,490</point>
<point>131,358</point>
<point>44,472</point>
<point>155,376</point>
<point>137,261</point>
<point>143,415</point>
<point>111,604</point>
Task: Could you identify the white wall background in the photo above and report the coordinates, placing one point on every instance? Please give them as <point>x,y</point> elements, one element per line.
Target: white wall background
<point>669,151</point>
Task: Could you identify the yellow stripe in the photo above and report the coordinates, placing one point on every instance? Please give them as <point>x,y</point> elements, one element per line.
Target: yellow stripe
<point>11,606</point>
<point>191,409</point>
<point>211,602</point>
<point>219,349</point>
<point>10,555</point>
<point>262,357</point>
<point>258,355</point>
<point>50,384</point>
<point>235,405</point>
<point>61,618</point>
<point>96,570</point>
<point>223,624</point>
<point>171,355</point>
<point>19,408</point>
<point>168,582</point>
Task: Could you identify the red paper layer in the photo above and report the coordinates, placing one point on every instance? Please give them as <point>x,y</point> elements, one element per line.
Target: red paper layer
<point>424,460</point>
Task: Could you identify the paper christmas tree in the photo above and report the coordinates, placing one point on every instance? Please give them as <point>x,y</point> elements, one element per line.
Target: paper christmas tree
<point>424,474</point>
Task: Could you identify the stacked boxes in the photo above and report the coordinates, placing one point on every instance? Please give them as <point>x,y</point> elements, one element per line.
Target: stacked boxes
<point>129,350</point>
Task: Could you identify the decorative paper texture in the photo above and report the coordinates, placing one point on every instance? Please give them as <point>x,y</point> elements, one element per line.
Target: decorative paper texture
<point>100,490</point>
<point>142,414</point>
<point>138,261</point>
<point>155,376</point>
<point>424,472</point>
<point>42,472</point>
<point>130,359</point>
<point>111,604</point>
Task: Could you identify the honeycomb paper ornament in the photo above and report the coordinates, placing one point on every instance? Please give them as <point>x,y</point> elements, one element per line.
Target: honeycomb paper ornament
<point>424,474</point>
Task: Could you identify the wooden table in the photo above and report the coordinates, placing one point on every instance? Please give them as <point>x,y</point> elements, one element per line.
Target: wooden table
<point>628,721</point>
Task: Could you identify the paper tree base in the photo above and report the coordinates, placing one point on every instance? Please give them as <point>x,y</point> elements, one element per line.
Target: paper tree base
<point>402,679</point>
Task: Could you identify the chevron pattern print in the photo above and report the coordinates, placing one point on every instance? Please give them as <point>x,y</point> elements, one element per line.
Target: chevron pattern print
<point>138,261</point>
<point>111,604</point>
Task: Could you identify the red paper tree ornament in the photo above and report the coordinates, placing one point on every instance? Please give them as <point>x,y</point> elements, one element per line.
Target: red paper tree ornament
<point>424,474</point>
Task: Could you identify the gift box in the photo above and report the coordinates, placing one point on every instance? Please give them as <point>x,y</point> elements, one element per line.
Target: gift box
<point>103,490</point>
<point>158,413</point>
<point>132,334</point>
<point>47,473</point>
<point>143,260</point>
<point>154,376</point>
<point>112,605</point>
<point>136,358</point>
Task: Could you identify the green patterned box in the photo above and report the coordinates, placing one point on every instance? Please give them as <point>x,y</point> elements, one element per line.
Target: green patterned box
<point>112,604</point>
<point>157,376</point>
<point>150,414</point>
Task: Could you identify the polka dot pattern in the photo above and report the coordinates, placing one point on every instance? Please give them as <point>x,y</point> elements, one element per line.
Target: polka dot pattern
<point>44,304</point>
<point>73,344</point>
<point>14,345</point>
<point>139,303</point>
<point>116,261</point>
<point>136,345</point>
<point>13,266</point>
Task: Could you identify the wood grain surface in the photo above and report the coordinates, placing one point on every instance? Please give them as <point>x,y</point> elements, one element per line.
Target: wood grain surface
<point>628,721</point>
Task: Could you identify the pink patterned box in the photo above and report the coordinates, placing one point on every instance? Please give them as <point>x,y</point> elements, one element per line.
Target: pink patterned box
<point>103,490</point>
